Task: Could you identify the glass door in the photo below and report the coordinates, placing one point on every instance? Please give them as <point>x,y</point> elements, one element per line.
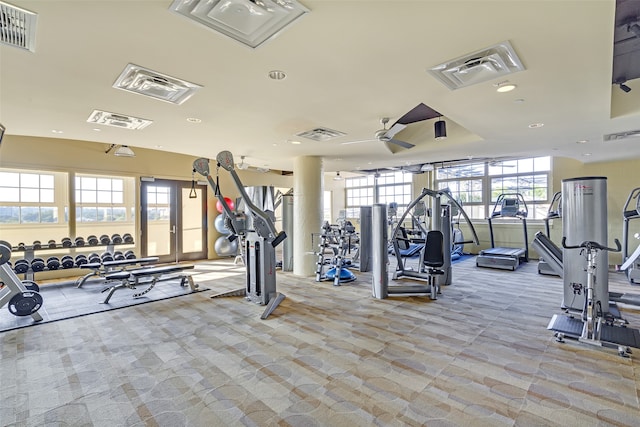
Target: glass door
<point>173,220</point>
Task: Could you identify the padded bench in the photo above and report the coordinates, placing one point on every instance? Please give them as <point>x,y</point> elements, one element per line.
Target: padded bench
<point>103,268</point>
<point>148,276</point>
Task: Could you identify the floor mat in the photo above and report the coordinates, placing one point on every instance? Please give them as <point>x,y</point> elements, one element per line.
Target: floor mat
<point>65,301</point>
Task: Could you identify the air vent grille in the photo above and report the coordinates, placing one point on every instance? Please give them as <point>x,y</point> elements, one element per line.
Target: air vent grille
<point>321,134</point>
<point>156,85</point>
<point>614,137</point>
<point>17,27</point>
<point>118,120</point>
<point>484,65</point>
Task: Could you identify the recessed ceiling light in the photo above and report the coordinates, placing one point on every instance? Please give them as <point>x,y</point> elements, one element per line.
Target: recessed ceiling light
<point>158,146</point>
<point>295,142</point>
<point>274,144</point>
<point>536,125</point>
<point>277,75</point>
<point>586,154</point>
<point>57,131</point>
<point>97,130</point>
<point>194,120</point>
<point>508,87</point>
<point>582,141</point>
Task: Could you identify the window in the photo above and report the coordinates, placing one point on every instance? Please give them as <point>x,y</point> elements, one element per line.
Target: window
<point>100,199</point>
<point>27,198</point>
<point>477,186</point>
<point>158,206</point>
<point>385,188</point>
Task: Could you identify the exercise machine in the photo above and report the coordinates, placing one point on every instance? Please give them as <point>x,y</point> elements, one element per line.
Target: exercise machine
<point>510,206</point>
<point>21,298</point>
<point>595,326</point>
<point>547,264</point>
<point>434,266</point>
<point>259,235</point>
<point>337,241</point>
<point>631,211</point>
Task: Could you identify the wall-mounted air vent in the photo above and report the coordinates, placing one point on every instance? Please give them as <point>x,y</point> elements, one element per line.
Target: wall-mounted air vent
<point>481,66</point>
<point>321,134</point>
<point>160,86</point>
<point>118,120</point>
<point>613,137</point>
<point>251,22</point>
<point>17,27</point>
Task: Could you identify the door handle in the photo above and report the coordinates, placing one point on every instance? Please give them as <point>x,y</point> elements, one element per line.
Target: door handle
<point>173,229</point>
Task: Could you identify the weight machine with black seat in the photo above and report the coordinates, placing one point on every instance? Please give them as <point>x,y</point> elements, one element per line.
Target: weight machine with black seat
<point>259,235</point>
<point>508,205</point>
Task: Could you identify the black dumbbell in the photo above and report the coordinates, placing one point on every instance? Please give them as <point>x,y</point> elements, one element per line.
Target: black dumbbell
<point>118,256</point>
<point>94,258</point>
<point>53,263</point>
<point>66,242</point>
<point>127,238</point>
<point>37,264</point>
<point>79,241</point>
<point>22,266</point>
<point>116,239</point>
<point>93,240</point>
<point>130,254</point>
<point>37,244</point>
<point>105,240</point>
<point>106,257</point>
<point>81,259</point>
<point>21,246</point>
<point>52,244</point>
<point>67,261</point>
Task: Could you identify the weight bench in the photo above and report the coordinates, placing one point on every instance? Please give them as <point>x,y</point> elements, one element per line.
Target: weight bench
<point>147,276</point>
<point>101,269</point>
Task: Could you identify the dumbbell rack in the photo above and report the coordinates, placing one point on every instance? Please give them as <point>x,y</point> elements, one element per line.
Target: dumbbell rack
<point>29,252</point>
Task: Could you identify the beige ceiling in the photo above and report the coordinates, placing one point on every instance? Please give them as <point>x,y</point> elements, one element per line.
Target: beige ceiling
<point>348,63</point>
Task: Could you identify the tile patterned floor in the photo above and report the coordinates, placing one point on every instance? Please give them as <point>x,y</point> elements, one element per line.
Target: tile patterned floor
<point>328,356</point>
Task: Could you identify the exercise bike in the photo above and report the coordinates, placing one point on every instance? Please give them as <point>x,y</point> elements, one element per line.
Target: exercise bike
<point>596,327</point>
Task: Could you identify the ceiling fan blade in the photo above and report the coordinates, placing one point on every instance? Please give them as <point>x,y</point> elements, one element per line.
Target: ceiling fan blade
<point>394,130</point>
<point>358,142</point>
<point>401,143</point>
<point>417,114</point>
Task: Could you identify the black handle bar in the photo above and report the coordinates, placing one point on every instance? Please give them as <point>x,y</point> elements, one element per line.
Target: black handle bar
<point>588,244</point>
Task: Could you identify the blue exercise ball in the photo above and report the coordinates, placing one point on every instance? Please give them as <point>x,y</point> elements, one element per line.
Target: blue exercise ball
<point>218,223</point>
<point>224,247</point>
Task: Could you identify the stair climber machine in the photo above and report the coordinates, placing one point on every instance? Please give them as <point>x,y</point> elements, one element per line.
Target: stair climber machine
<point>550,262</point>
<point>259,234</point>
<point>589,316</point>
<point>434,267</point>
<point>509,206</point>
<point>631,211</point>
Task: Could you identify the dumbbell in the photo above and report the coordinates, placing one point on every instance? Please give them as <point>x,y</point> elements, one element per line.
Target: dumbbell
<point>81,259</point>
<point>118,256</point>
<point>105,240</point>
<point>66,242</point>
<point>67,261</point>
<point>22,266</point>
<point>37,264</point>
<point>92,240</point>
<point>106,257</point>
<point>130,254</point>
<point>94,258</point>
<point>52,244</point>
<point>127,238</point>
<point>116,239</point>
<point>37,244</point>
<point>53,263</point>
<point>21,246</point>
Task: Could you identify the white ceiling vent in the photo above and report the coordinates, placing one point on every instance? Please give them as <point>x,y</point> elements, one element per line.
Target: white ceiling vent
<point>321,134</point>
<point>251,22</point>
<point>147,82</point>
<point>118,120</point>
<point>614,137</point>
<point>487,64</point>
<point>17,27</point>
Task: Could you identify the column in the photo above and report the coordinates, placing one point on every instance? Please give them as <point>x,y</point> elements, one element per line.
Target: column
<point>308,187</point>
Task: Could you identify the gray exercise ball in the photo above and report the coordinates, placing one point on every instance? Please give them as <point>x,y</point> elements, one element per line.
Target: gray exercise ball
<point>218,223</point>
<point>224,247</point>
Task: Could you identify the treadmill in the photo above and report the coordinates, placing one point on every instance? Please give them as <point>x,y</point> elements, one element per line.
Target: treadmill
<point>508,205</point>
<point>547,265</point>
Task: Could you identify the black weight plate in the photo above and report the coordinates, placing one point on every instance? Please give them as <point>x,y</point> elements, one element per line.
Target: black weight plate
<point>5,252</point>
<point>25,303</point>
<point>31,285</point>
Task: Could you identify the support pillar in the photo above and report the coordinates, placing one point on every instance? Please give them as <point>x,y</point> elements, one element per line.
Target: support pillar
<point>307,212</point>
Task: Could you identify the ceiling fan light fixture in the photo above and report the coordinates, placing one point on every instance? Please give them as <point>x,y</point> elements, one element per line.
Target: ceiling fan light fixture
<point>124,151</point>
<point>337,177</point>
<point>440,130</point>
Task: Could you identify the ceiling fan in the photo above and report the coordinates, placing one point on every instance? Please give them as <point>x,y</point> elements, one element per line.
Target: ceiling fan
<point>386,136</point>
